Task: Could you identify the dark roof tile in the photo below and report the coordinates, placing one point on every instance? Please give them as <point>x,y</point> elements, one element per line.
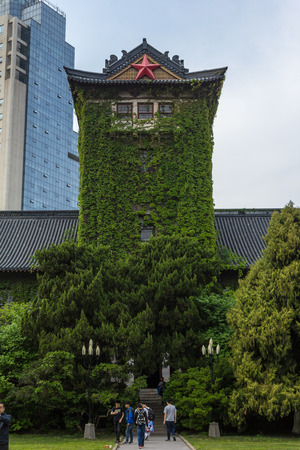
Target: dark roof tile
<point>24,232</point>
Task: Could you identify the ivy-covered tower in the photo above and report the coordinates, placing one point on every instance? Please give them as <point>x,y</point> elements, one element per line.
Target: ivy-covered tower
<point>145,148</point>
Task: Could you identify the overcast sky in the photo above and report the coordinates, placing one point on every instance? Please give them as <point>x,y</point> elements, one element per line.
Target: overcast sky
<point>257,129</point>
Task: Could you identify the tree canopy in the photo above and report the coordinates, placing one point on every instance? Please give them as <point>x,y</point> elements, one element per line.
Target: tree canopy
<point>154,306</point>
<point>142,308</point>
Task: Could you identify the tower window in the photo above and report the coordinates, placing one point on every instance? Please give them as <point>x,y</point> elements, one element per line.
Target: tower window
<point>146,233</point>
<point>124,110</point>
<point>166,109</point>
<point>145,110</point>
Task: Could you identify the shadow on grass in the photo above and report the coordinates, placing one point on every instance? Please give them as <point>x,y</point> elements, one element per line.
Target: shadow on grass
<point>59,441</point>
<point>236,442</point>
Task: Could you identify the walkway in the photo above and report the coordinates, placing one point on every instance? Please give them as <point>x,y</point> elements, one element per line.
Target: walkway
<point>158,442</point>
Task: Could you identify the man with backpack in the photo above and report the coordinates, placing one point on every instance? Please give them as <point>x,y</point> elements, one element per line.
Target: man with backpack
<point>150,417</point>
<point>140,419</point>
<point>149,411</point>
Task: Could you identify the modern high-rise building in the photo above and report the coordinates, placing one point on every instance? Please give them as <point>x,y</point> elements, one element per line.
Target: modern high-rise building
<point>39,167</point>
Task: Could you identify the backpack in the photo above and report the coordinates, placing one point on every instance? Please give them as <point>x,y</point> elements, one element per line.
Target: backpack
<point>140,420</point>
<point>151,415</point>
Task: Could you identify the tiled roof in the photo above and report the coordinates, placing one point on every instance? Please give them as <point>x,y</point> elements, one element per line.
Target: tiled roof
<point>207,75</point>
<point>116,65</point>
<point>83,77</point>
<point>23,232</point>
<point>242,231</point>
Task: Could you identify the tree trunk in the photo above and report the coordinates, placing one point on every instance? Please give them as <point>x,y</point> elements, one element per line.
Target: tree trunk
<point>296,427</point>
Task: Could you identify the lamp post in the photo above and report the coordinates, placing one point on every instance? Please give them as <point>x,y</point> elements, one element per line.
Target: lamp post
<point>213,430</point>
<point>90,360</point>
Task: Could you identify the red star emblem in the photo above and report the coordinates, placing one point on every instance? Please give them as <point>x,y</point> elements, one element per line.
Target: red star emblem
<point>145,68</point>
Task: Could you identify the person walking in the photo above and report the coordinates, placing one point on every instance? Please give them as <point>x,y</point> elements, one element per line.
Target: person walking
<point>149,429</point>
<point>118,414</point>
<point>5,420</point>
<point>150,418</point>
<point>160,388</point>
<point>140,418</point>
<point>129,414</point>
<point>170,417</point>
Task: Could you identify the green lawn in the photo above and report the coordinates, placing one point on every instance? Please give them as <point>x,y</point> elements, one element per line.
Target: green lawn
<point>58,442</point>
<point>243,442</point>
<point>200,442</point>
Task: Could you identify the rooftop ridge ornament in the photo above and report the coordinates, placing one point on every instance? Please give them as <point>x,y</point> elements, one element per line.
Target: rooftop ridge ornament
<point>145,69</point>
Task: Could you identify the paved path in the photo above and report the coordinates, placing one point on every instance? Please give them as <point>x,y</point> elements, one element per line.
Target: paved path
<point>158,442</point>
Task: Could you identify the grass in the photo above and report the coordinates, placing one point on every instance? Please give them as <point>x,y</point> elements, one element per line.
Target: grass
<point>200,442</point>
<point>243,442</point>
<point>58,442</point>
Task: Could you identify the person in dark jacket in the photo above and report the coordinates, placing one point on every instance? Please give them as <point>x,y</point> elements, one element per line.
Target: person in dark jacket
<point>129,413</point>
<point>5,420</point>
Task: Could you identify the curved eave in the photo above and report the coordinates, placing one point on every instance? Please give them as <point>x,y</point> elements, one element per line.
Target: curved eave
<point>82,77</point>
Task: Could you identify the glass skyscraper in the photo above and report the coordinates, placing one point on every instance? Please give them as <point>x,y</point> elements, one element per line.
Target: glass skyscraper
<point>39,168</point>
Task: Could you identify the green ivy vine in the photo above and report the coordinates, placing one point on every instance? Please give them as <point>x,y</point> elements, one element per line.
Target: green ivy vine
<point>21,288</point>
<point>156,172</point>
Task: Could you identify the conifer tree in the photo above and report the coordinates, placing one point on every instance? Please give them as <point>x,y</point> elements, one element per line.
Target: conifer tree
<point>141,310</point>
<point>164,277</point>
<point>76,302</point>
<point>266,323</point>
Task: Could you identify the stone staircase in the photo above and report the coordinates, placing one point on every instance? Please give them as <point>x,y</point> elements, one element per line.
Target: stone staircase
<point>153,400</point>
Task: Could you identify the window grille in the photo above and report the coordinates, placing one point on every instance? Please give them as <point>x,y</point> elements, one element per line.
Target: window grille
<point>166,109</point>
<point>145,110</point>
<point>124,110</point>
